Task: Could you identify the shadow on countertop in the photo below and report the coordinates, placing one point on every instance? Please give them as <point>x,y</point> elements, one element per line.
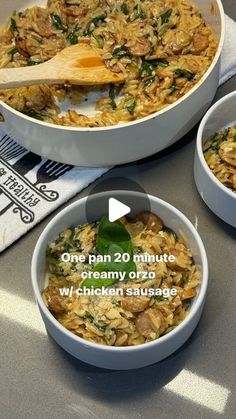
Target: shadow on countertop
<point>112,385</point>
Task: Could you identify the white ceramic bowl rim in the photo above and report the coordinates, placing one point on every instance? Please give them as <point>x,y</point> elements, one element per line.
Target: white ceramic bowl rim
<point>146,118</point>
<point>200,143</point>
<point>199,298</point>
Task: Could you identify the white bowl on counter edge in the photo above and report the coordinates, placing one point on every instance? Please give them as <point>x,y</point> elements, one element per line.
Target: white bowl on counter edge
<point>220,199</point>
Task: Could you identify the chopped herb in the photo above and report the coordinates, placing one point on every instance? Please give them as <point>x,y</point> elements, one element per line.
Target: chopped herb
<point>67,247</point>
<point>96,20</point>
<point>139,13</point>
<point>95,224</point>
<point>138,250</point>
<point>161,63</point>
<point>12,52</point>
<point>58,23</point>
<point>99,326</point>
<point>73,37</point>
<point>119,52</point>
<point>173,88</point>
<point>217,139</point>
<point>74,266</point>
<point>98,39</point>
<point>180,72</point>
<point>77,244</point>
<point>154,23</point>
<point>185,276</point>
<point>34,114</point>
<point>207,146</point>
<point>34,61</point>
<point>53,261</point>
<point>74,232</point>
<point>216,144</point>
<point>147,68</point>
<point>59,272</point>
<point>124,9</point>
<point>130,104</point>
<point>165,17</point>
<point>48,251</point>
<point>87,316</point>
<point>13,25</point>
<point>88,31</point>
<point>149,81</point>
<point>234,137</point>
<point>112,95</point>
<point>170,231</point>
<point>161,281</point>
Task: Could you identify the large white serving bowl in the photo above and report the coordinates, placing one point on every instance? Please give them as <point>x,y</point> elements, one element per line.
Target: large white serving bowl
<point>124,142</point>
<point>119,357</point>
<point>220,199</point>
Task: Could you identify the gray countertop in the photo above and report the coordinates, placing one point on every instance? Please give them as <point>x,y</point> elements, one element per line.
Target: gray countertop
<point>39,380</point>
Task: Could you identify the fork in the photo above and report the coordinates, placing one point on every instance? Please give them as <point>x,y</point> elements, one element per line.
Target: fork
<point>50,171</point>
<point>9,149</point>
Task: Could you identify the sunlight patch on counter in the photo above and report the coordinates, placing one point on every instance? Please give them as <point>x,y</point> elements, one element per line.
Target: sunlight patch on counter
<point>199,390</point>
<point>21,311</point>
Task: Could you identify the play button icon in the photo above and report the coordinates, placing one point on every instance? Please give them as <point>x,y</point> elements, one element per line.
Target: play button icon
<point>117,209</point>
<point>116,197</point>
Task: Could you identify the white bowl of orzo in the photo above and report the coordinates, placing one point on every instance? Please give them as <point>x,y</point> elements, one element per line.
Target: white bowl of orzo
<point>169,51</point>
<point>126,313</point>
<point>215,159</point>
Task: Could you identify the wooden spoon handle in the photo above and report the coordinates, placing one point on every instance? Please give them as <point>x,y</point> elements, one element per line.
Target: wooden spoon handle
<point>78,64</point>
<point>26,76</point>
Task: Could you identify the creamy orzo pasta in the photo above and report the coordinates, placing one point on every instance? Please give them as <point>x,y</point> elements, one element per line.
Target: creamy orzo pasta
<point>122,320</point>
<point>220,154</point>
<point>163,46</point>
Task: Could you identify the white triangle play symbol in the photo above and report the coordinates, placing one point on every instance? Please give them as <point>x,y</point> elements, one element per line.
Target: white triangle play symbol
<point>117,209</point>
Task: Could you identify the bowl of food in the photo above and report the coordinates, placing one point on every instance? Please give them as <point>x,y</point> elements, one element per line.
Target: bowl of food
<point>169,52</point>
<point>126,313</point>
<point>215,159</point>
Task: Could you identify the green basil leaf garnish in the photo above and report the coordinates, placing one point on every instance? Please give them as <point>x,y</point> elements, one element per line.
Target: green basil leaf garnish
<point>112,238</point>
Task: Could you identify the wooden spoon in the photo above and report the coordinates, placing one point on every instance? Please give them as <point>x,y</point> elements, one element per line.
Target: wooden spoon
<point>78,64</point>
